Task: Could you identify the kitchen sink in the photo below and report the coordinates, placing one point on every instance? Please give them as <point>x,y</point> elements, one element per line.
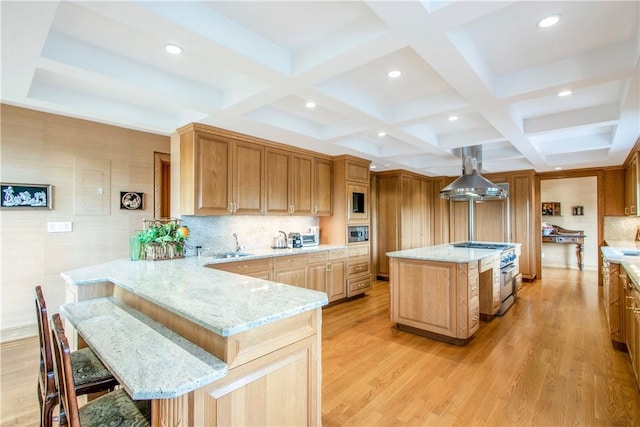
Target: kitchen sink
<point>630,253</point>
<point>224,255</point>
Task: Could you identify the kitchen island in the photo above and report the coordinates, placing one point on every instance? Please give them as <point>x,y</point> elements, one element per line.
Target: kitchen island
<point>440,291</point>
<point>258,343</point>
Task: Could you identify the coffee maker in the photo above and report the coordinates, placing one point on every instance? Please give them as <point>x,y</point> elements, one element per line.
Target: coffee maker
<point>295,240</point>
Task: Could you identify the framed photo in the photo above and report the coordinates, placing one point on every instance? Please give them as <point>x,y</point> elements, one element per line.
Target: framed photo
<point>23,196</point>
<point>132,201</point>
<point>550,208</point>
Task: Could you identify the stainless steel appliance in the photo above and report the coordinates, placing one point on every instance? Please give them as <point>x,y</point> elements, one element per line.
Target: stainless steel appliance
<point>280,240</point>
<point>310,239</point>
<point>295,240</point>
<point>357,233</point>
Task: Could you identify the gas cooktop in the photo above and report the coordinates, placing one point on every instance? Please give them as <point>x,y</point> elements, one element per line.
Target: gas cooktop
<point>480,245</point>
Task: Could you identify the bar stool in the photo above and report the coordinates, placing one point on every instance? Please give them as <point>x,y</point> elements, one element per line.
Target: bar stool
<point>89,374</point>
<point>112,409</point>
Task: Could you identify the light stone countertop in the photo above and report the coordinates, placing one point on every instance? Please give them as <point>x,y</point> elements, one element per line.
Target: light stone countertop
<point>271,253</point>
<point>626,253</point>
<point>447,253</point>
<point>149,360</point>
<point>224,303</point>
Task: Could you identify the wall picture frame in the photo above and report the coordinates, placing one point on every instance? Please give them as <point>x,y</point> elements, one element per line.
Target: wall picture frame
<point>26,196</point>
<point>550,208</point>
<point>131,200</point>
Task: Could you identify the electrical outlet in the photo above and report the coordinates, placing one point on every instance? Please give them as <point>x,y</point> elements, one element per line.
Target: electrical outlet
<point>59,227</point>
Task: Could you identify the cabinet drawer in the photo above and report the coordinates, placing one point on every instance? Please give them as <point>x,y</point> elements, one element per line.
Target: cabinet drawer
<point>474,284</point>
<point>474,315</point>
<point>338,254</point>
<point>244,266</point>
<point>358,267</point>
<point>282,262</point>
<point>487,263</point>
<point>472,268</point>
<point>358,251</point>
<point>358,286</point>
<point>559,239</point>
<point>322,256</point>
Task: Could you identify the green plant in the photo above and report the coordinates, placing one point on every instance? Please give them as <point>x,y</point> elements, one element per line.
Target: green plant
<point>163,233</point>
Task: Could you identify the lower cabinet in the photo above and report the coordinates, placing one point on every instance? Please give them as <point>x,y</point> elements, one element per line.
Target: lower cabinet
<point>358,270</point>
<point>489,285</point>
<point>291,270</point>
<point>336,275</point>
<point>614,285</point>
<point>632,327</point>
<point>258,268</point>
<point>436,299</point>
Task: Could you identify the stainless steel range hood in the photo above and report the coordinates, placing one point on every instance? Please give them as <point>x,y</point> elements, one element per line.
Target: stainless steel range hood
<point>471,185</point>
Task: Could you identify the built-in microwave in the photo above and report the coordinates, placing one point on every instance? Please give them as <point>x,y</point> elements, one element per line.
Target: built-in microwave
<point>357,233</point>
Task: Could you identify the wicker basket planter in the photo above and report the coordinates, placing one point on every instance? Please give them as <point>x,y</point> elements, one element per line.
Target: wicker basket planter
<point>157,252</point>
<point>162,239</point>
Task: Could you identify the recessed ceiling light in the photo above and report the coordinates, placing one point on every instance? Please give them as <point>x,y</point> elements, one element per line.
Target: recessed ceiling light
<point>373,166</point>
<point>394,74</point>
<point>310,104</point>
<point>173,48</point>
<point>558,168</point>
<point>565,93</point>
<point>549,21</point>
<point>453,118</point>
<point>382,134</point>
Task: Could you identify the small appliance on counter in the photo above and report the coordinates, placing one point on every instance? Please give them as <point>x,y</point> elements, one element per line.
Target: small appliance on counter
<point>296,240</point>
<point>280,241</point>
<point>310,238</point>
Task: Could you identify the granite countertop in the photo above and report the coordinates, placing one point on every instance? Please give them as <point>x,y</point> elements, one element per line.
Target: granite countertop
<point>149,360</point>
<point>224,303</point>
<point>626,253</point>
<point>447,253</point>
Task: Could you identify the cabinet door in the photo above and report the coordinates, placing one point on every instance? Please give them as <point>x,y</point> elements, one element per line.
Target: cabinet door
<point>632,187</point>
<point>248,179</point>
<point>295,276</point>
<point>277,185</point>
<point>317,277</point>
<point>213,184</point>
<point>322,187</point>
<point>336,283</point>
<point>301,183</point>
<point>522,222</point>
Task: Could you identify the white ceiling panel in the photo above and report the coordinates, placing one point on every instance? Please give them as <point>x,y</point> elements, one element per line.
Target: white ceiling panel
<point>251,66</point>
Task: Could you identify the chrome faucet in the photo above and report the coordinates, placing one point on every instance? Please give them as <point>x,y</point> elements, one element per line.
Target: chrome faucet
<point>238,247</point>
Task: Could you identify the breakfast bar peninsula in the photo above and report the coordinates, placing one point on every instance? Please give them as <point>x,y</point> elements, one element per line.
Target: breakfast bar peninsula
<point>442,291</point>
<point>207,347</point>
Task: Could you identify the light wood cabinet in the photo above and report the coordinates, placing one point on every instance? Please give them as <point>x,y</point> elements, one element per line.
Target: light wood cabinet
<point>336,279</point>
<point>614,192</point>
<point>291,270</point>
<point>297,184</point>
<point>358,268</point>
<point>317,271</point>
<point>404,212</point>
<point>357,203</point>
<point>631,317</point>
<point>632,187</point>
<point>489,285</point>
<point>613,292</point>
<point>259,268</point>
<point>322,191</point>
<point>436,299</point>
<point>219,175</point>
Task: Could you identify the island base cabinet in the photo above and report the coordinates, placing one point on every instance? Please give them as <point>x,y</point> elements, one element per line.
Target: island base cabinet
<point>436,299</point>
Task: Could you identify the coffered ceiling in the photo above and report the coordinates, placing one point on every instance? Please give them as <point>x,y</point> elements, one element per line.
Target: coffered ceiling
<point>251,66</point>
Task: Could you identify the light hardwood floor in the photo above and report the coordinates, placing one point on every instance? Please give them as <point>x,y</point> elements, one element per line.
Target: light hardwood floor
<point>547,362</point>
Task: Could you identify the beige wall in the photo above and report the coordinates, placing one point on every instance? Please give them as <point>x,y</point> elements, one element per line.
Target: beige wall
<point>41,148</point>
<point>572,192</point>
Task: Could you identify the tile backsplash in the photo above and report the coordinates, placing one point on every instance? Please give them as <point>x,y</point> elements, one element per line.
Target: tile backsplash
<point>215,233</point>
<point>620,227</point>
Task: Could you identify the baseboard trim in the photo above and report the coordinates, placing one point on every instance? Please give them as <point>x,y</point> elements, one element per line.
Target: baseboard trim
<point>18,333</point>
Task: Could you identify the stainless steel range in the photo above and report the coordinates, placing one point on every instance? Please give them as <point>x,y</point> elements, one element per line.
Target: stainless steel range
<point>509,269</point>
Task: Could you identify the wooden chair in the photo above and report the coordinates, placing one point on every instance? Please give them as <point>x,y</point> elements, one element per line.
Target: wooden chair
<point>112,409</point>
<point>89,374</point>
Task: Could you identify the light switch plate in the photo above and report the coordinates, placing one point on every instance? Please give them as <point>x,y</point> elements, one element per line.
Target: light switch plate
<point>59,227</point>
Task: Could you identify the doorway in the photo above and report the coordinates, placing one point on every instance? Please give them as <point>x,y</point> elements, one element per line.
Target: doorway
<point>575,207</point>
<point>162,185</point>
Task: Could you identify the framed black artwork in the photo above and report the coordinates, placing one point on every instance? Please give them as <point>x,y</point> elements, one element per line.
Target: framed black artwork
<point>132,201</point>
<point>26,196</point>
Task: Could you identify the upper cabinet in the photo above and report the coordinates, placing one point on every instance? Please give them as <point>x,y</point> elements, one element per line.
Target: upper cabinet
<point>220,175</point>
<point>297,184</point>
<point>632,187</point>
<point>614,191</point>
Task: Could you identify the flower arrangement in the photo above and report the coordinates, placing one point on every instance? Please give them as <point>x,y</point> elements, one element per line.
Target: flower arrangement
<point>163,238</point>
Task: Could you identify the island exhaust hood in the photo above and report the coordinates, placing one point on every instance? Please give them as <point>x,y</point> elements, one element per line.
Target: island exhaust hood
<point>471,185</point>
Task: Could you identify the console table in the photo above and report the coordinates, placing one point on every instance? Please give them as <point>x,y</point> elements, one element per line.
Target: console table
<point>565,236</point>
